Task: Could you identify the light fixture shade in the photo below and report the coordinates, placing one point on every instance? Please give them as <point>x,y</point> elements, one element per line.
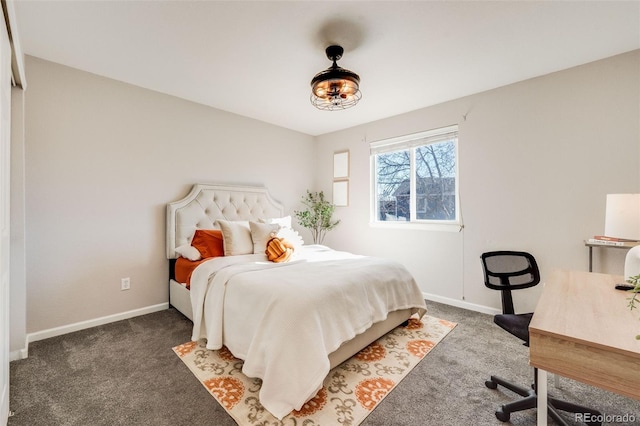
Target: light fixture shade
<point>622,218</point>
<point>335,88</point>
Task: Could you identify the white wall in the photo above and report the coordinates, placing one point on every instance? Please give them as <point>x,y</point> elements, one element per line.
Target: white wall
<point>536,161</point>
<point>102,160</point>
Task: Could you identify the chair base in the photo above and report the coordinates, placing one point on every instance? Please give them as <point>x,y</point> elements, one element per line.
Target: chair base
<point>530,400</point>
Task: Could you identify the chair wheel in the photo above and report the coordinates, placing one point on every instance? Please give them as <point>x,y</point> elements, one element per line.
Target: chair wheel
<point>502,416</point>
<point>491,384</point>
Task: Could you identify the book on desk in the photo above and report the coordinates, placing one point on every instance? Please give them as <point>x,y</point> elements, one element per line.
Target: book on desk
<point>610,241</point>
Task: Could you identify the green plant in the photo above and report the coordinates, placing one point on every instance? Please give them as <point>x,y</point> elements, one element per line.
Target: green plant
<point>317,216</point>
<point>635,281</point>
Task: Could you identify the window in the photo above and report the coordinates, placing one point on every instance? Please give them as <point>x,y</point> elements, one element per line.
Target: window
<point>415,178</point>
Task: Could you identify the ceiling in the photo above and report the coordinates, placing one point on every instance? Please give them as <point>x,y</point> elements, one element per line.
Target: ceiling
<point>257,58</point>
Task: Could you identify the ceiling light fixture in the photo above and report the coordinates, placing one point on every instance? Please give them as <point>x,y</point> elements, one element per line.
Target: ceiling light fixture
<point>335,88</point>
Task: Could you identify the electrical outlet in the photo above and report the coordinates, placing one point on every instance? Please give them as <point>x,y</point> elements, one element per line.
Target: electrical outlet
<point>125,283</point>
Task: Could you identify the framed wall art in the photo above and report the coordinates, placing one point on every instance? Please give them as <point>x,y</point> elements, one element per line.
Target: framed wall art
<point>341,193</point>
<point>341,164</point>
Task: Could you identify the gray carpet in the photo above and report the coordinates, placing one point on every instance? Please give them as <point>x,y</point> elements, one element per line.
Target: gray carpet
<point>125,373</point>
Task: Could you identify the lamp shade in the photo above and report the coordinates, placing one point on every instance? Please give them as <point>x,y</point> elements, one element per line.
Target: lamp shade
<point>622,218</point>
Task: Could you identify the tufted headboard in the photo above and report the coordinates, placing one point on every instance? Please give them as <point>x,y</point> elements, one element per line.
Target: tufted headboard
<point>207,203</point>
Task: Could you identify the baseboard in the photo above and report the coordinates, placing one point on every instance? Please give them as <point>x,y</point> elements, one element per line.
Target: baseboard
<point>20,353</point>
<point>58,331</point>
<point>461,304</point>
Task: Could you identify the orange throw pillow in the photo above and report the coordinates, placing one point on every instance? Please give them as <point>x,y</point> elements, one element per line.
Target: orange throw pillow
<point>279,250</point>
<point>209,242</point>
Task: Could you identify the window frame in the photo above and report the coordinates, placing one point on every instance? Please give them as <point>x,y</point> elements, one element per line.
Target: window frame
<point>411,142</point>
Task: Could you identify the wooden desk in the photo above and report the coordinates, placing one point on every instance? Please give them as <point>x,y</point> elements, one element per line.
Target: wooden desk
<point>583,329</point>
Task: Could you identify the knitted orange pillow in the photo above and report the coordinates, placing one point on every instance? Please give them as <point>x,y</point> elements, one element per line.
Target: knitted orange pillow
<point>279,250</point>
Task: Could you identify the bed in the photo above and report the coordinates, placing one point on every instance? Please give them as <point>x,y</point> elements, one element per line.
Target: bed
<point>313,325</point>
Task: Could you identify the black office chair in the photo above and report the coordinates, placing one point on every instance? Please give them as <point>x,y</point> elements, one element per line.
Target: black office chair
<point>514,270</point>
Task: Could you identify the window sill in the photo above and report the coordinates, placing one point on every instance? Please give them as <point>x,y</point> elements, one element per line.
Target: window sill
<point>443,227</point>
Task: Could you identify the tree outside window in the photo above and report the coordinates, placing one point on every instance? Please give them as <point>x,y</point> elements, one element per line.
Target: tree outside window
<point>416,181</point>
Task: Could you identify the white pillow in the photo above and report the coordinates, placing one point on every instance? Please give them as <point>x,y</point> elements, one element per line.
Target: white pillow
<point>260,234</point>
<point>284,222</point>
<point>189,252</point>
<point>236,236</point>
<point>292,236</point>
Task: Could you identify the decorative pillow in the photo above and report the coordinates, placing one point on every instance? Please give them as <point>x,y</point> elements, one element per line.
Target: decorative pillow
<point>261,233</point>
<point>237,237</point>
<point>291,236</point>
<point>189,252</point>
<point>279,250</point>
<point>284,222</point>
<point>208,242</point>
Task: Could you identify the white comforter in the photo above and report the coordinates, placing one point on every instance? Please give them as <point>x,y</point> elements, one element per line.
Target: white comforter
<point>284,319</point>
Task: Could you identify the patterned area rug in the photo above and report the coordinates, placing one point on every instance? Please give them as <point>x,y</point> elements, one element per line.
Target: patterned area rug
<point>350,392</point>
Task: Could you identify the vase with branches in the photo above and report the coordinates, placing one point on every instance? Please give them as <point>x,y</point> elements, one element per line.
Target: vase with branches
<point>317,216</point>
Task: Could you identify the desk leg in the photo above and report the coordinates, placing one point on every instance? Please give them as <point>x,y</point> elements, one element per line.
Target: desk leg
<point>542,397</point>
<point>590,259</point>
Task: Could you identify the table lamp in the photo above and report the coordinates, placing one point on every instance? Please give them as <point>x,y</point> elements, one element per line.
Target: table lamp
<point>622,220</point>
